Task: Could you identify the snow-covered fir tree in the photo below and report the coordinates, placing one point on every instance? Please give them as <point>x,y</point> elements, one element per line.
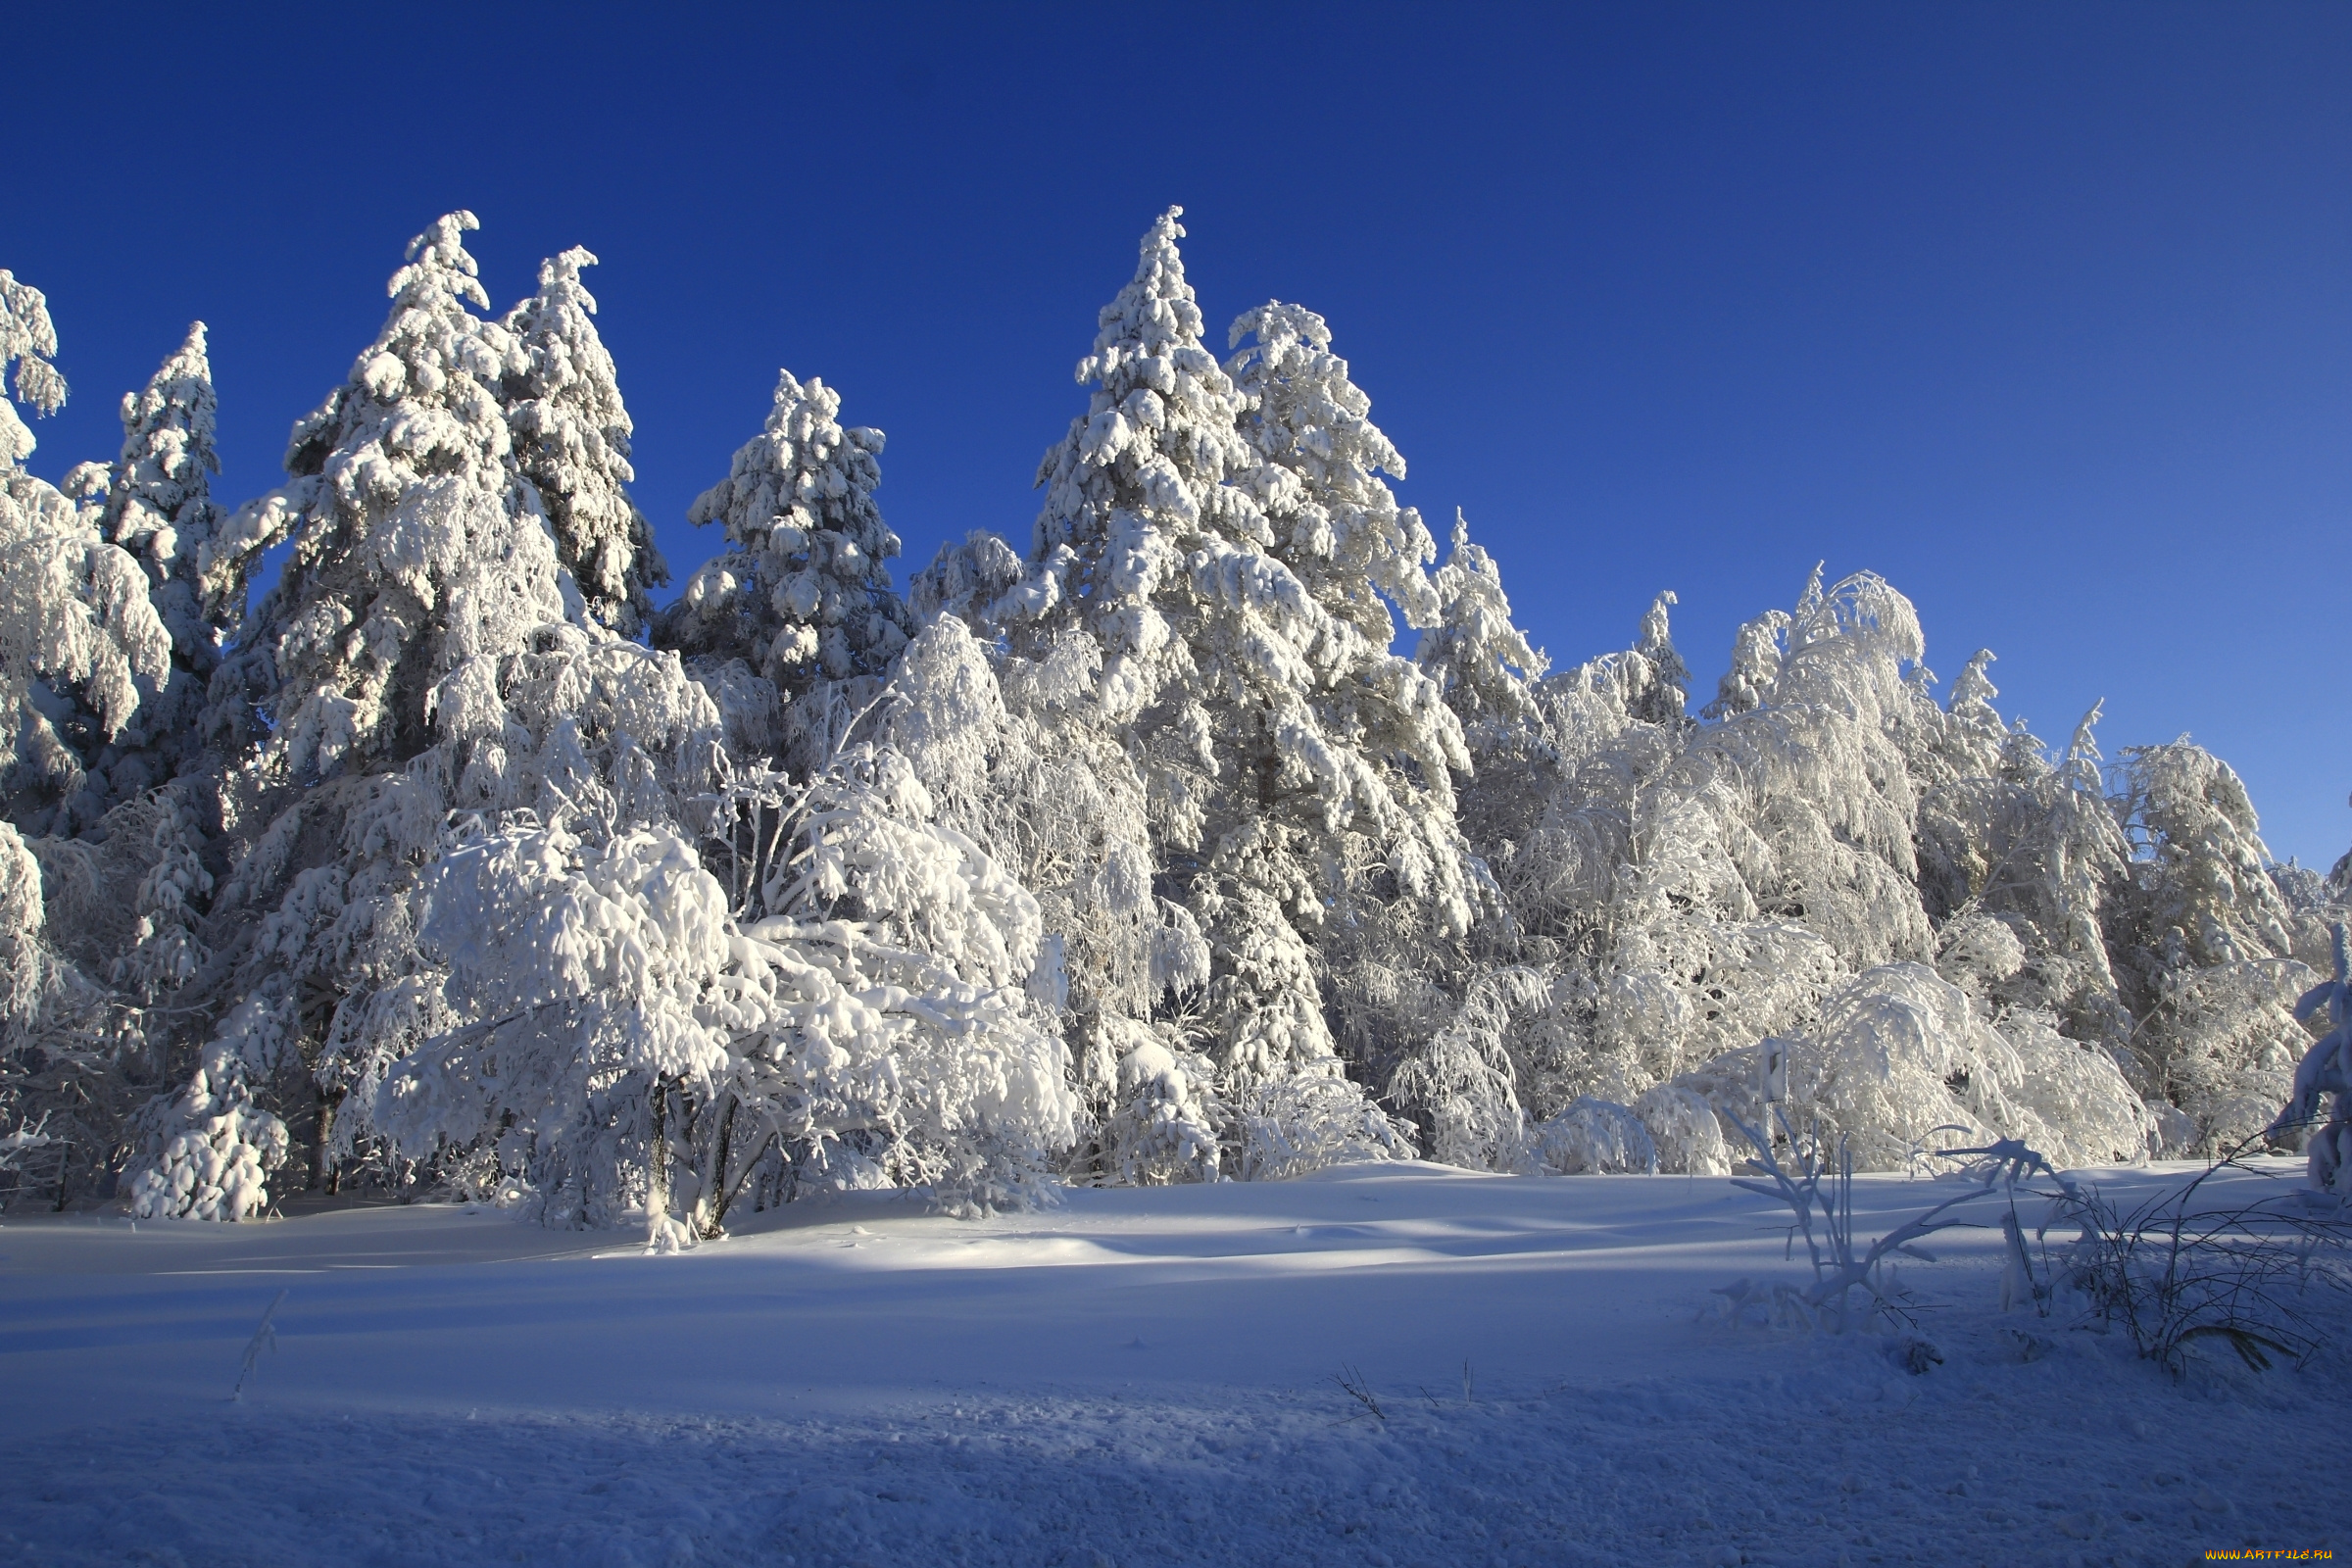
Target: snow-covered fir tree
<point>160,507</point>
<point>571,441</point>
<point>426,673</point>
<point>81,643</point>
<point>1477,656</point>
<point>1375,742</point>
<point>1209,565</point>
<point>416,543</point>
<point>802,593</point>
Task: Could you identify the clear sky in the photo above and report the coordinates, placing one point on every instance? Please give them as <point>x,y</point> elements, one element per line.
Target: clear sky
<point>2040,311</point>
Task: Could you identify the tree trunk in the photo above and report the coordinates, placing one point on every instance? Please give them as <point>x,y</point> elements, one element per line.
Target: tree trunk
<point>657,1194</point>
<point>715,1195</point>
<point>325,1174</point>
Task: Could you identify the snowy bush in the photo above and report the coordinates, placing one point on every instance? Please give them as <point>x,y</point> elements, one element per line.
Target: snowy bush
<point>1685,1131</point>
<point>901,1023</point>
<point>1166,1121</point>
<point>216,1160</point>
<point>2269,1278</point>
<point>1308,1121</point>
<point>1852,1279</point>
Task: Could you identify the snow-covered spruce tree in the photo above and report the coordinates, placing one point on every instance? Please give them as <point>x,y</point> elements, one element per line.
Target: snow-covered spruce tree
<point>2202,946</point>
<point>81,643</point>
<point>403,503</point>
<point>153,504</point>
<point>802,594</point>
<point>129,891</point>
<point>429,678</point>
<point>401,484</point>
<point>1463,1085</point>
<point>571,442</point>
<point>1216,549</point>
<point>1476,653</point>
<point>82,653</point>
<point>1373,739</point>
<point>1061,805</point>
<point>159,508</point>
<point>1487,670</point>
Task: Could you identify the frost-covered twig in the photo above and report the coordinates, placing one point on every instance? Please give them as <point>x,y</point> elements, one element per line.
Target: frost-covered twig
<point>2261,1276</point>
<point>1353,1381</point>
<point>1823,1190</point>
<point>264,1338</point>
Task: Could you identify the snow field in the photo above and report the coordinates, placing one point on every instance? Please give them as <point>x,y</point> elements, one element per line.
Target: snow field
<point>1137,1376</point>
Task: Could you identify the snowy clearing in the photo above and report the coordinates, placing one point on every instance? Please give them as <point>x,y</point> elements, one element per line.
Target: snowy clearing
<point>1139,1376</point>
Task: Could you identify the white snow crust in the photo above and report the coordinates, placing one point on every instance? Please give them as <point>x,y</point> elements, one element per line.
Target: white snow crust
<point>1137,1376</point>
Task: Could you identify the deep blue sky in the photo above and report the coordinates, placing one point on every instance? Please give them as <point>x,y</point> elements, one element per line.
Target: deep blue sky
<point>2042,312</point>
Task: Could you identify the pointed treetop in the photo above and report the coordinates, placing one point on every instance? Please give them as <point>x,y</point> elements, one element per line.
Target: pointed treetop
<point>1319,483</point>
<point>1156,309</point>
<point>571,436</point>
<point>420,546</point>
<point>431,352</point>
<point>806,594</point>
<point>1757,654</point>
<point>1656,642</point>
<point>27,341</point>
<point>1663,699</point>
<point>438,262</point>
<point>2081,764</point>
<point>563,272</point>
<point>1139,480</point>
<point>1810,600</point>
<point>1483,659</point>
<point>1972,686</point>
<point>1294,346</point>
<point>159,503</point>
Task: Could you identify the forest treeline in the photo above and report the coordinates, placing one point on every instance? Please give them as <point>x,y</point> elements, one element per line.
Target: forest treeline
<point>453,865</point>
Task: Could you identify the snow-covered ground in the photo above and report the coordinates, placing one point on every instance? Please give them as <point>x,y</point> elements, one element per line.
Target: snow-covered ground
<point>1136,1377</point>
